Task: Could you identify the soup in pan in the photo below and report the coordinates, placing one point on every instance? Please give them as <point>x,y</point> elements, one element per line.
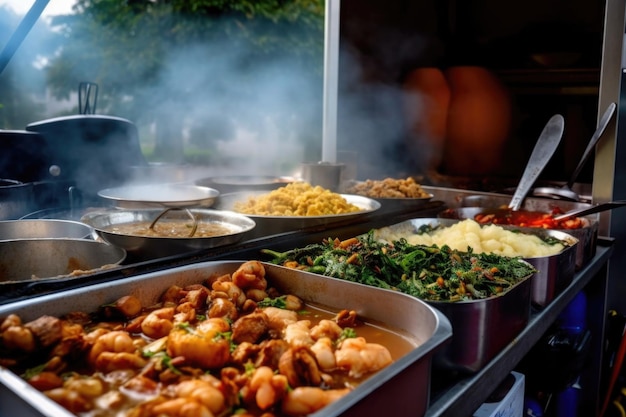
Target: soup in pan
<point>171,228</point>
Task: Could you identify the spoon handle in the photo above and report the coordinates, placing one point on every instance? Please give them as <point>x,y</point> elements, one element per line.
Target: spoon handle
<point>544,149</point>
<point>604,121</point>
<point>591,210</point>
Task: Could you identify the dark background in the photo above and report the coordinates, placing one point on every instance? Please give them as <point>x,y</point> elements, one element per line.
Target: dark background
<point>547,54</point>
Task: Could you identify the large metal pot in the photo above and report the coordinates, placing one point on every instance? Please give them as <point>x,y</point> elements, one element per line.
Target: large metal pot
<point>95,151</point>
<point>16,199</point>
<point>51,258</point>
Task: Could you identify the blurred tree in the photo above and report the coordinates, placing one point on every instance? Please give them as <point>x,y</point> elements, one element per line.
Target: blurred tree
<point>175,63</point>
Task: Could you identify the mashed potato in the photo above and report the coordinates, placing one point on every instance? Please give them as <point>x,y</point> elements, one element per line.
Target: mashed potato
<point>483,239</point>
<point>296,199</point>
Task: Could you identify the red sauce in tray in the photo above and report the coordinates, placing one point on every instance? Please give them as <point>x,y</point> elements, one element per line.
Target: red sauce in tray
<point>525,218</point>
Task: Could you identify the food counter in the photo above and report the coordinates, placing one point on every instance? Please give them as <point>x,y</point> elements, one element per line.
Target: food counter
<point>450,393</point>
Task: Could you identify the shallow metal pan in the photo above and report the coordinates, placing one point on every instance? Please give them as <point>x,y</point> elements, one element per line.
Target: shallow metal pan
<point>401,388</point>
<point>159,195</point>
<point>50,259</point>
<point>271,225</point>
<point>151,247</point>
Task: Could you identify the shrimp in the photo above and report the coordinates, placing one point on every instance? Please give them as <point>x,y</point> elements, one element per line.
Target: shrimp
<point>228,290</point>
<point>324,353</point>
<point>250,274</point>
<point>326,328</point>
<point>86,387</point>
<point>69,399</point>
<point>306,400</point>
<point>267,388</point>
<point>359,357</point>
<point>256,294</point>
<point>298,333</point>
<point>278,318</point>
<point>115,350</point>
<point>205,346</point>
<point>158,323</point>
<point>10,321</point>
<point>115,341</point>
<point>203,392</point>
<point>111,361</point>
<point>18,338</point>
<point>181,407</point>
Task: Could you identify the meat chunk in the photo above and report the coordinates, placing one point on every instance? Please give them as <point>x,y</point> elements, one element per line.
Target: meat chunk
<point>250,328</point>
<point>47,330</point>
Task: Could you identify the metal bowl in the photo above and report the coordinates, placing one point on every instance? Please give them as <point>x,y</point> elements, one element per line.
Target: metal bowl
<point>41,229</point>
<point>150,247</point>
<point>40,259</point>
<point>270,225</point>
<point>159,195</point>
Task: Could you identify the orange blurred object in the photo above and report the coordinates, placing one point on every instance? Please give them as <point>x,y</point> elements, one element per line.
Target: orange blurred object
<point>465,117</point>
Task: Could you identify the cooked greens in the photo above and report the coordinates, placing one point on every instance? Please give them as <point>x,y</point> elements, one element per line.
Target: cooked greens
<point>428,272</point>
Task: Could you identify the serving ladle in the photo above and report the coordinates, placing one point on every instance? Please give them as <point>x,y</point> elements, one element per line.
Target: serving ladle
<point>579,212</point>
<point>542,152</point>
<point>566,192</point>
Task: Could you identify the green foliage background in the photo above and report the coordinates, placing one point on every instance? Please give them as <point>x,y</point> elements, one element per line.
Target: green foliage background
<point>138,52</point>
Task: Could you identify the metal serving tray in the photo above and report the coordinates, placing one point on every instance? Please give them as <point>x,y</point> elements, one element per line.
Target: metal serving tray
<point>402,387</point>
<point>483,327</point>
<point>554,273</point>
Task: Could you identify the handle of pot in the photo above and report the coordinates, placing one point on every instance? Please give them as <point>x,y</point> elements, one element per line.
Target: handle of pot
<point>87,97</point>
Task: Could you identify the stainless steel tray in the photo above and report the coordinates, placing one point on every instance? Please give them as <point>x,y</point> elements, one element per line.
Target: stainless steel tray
<point>402,387</point>
<point>482,328</point>
<point>554,273</point>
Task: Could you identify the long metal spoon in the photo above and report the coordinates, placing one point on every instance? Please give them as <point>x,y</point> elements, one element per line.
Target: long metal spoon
<point>566,192</point>
<point>590,210</point>
<point>541,154</point>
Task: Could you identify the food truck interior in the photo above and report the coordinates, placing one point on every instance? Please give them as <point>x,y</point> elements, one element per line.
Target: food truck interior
<point>453,93</point>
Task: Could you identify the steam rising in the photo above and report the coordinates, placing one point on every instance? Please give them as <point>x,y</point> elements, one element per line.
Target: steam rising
<point>264,116</point>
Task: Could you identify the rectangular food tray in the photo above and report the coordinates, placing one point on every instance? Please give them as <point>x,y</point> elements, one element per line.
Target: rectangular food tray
<point>554,273</point>
<point>402,387</point>
<point>482,328</point>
